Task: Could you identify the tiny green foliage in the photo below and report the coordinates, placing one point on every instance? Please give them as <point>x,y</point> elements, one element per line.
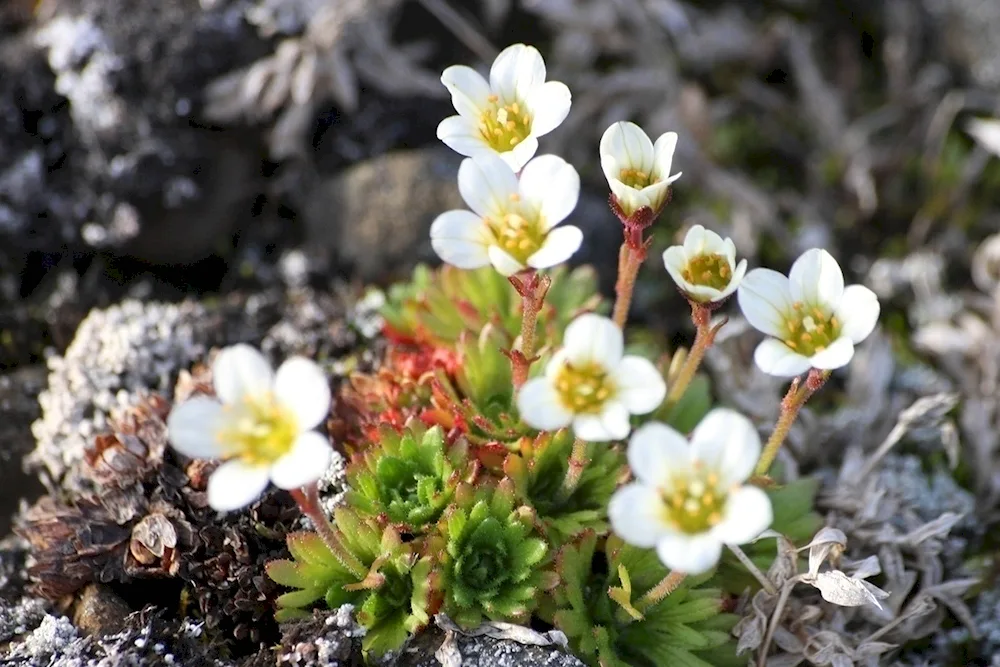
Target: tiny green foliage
<point>794,517</point>
<point>538,467</point>
<point>437,305</point>
<point>599,604</point>
<point>385,578</point>
<point>492,562</point>
<point>407,478</point>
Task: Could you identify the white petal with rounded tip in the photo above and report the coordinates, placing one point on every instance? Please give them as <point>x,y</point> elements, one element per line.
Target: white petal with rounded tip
<point>556,363</point>
<point>656,194</point>
<point>858,312</point>
<point>737,278</point>
<point>628,198</point>
<point>655,451</point>
<point>727,442</point>
<point>703,293</point>
<point>460,238</point>
<point>747,514</point>
<point>517,71</point>
<point>550,187</point>
<point>461,134</point>
<point>301,387</point>
<point>729,250</point>
<point>549,104</point>
<point>540,407</point>
<point>192,427</point>
<point>306,462</point>
<point>235,484</point>
<point>635,512</point>
<point>520,154</point>
<point>560,244</point>
<point>594,338</point>
<point>241,370</point>
<point>839,353</point>
<point>663,155</point>
<point>816,279</point>
<point>469,90</point>
<point>765,299</point>
<point>690,554</point>
<point>629,146</point>
<point>775,358</point>
<point>696,241</point>
<point>640,385</point>
<point>503,262</point>
<point>611,424</point>
<point>487,184</point>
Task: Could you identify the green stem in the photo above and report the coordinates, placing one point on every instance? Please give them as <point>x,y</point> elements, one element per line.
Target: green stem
<point>704,336</point>
<point>308,499</point>
<point>577,462</point>
<point>657,593</point>
<point>798,394</point>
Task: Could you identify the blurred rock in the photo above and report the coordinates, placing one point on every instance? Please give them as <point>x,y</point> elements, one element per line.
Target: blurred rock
<point>99,611</point>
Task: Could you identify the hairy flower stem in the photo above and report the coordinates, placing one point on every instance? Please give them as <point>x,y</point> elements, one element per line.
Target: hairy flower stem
<point>308,499</point>
<point>704,336</point>
<point>577,462</point>
<point>661,590</point>
<point>629,261</point>
<point>798,394</point>
<point>532,287</point>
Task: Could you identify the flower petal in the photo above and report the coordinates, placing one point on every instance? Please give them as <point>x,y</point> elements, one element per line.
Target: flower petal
<point>636,515</point>
<point>469,90</point>
<point>663,156</point>
<point>540,407</point>
<point>728,443</point>
<point>594,338</point>
<point>735,281</point>
<point>549,104</point>
<point>675,261</point>
<point>765,298</point>
<point>519,156</point>
<point>236,484</point>
<point>487,184</point>
<point>746,515</point>
<point>839,353</point>
<point>503,262</point>
<point>775,358</point>
<point>461,134</point>
<point>816,279</point>
<point>192,425</point>
<point>516,72</point>
<point>629,146</point>
<point>690,554</point>
<point>550,187</point>
<point>655,450</point>
<point>858,312</point>
<point>655,195</point>
<point>560,244</point>
<point>611,424</point>
<point>461,239</point>
<point>240,370</point>
<point>301,387</point>
<point>306,462</point>
<point>640,385</point>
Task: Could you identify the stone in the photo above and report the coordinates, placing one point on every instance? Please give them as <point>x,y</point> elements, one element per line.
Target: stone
<point>99,611</point>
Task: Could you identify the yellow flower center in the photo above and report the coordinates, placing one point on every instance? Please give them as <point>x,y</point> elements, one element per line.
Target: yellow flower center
<point>695,504</point>
<point>810,329</point>
<point>583,389</point>
<point>258,430</point>
<point>637,179</point>
<point>521,237</point>
<point>708,270</point>
<point>504,126</point>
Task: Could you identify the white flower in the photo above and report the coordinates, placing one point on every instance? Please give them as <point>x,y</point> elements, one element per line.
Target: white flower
<point>689,499</point>
<point>705,267</point>
<point>591,384</point>
<point>513,221</point>
<point>506,115</point>
<point>814,320</point>
<point>637,170</point>
<point>261,424</point>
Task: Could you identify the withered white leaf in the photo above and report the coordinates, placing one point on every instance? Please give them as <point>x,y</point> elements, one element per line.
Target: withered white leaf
<point>826,541</point>
<point>838,588</point>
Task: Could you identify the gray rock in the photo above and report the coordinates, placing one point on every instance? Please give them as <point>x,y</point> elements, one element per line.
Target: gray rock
<point>483,651</point>
<point>375,216</point>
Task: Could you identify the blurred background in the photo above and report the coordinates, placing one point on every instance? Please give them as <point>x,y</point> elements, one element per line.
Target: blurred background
<point>180,174</point>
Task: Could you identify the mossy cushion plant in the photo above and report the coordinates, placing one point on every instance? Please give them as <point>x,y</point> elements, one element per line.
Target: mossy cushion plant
<point>512,460</point>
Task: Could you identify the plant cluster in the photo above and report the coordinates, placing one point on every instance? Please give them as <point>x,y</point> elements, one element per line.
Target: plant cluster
<point>512,459</point>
